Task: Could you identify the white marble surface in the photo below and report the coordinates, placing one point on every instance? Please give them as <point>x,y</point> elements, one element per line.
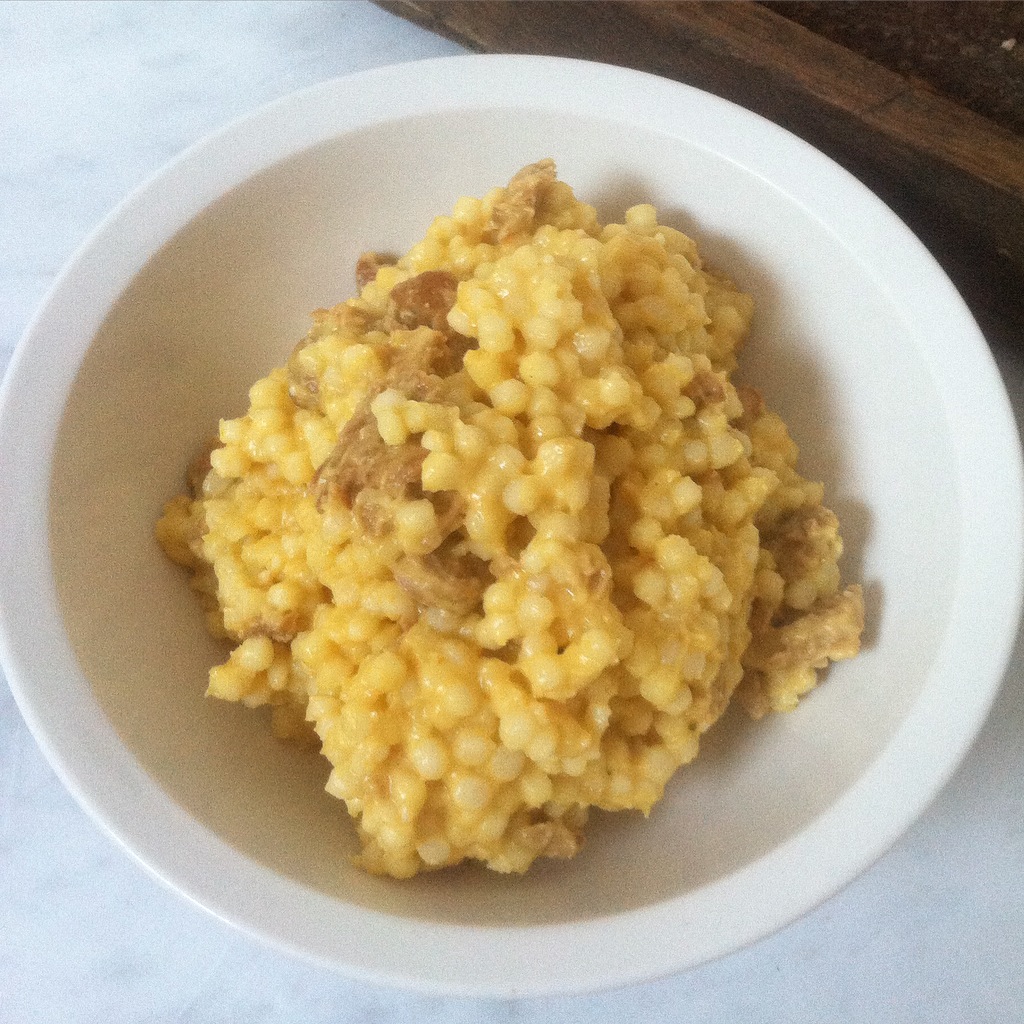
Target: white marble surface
<point>93,98</point>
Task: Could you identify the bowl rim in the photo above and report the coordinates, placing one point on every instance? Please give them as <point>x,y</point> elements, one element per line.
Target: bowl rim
<point>36,656</point>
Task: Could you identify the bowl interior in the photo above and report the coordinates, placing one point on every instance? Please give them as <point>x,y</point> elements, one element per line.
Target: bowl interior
<point>224,301</point>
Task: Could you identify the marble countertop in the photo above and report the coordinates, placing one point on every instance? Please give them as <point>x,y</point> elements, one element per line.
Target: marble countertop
<point>94,97</point>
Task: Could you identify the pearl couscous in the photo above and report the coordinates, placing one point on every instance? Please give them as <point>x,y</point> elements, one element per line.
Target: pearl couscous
<point>504,538</point>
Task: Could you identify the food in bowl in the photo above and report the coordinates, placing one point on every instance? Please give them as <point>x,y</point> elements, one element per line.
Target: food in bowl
<point>504,538</point>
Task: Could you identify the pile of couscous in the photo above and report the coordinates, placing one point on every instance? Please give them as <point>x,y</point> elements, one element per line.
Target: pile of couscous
<point>503,537</point>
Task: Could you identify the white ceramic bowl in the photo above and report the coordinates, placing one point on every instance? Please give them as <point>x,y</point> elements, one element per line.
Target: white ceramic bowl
<point>201,281</point>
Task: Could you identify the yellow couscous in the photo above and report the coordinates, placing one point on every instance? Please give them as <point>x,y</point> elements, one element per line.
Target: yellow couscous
<point>504,538</point>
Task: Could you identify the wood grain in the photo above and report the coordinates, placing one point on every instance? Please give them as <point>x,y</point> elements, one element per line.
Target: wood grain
<point>954,176</point>
<point>971,53</point>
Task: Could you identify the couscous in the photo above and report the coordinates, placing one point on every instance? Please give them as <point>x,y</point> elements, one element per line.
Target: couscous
<point>504,538</point>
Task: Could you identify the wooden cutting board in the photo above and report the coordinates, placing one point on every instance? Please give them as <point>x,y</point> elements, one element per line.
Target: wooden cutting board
<point>954,175</point>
